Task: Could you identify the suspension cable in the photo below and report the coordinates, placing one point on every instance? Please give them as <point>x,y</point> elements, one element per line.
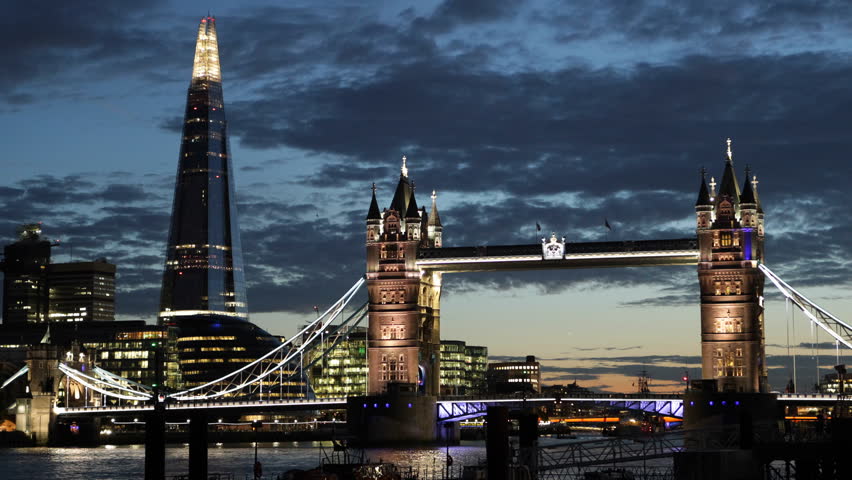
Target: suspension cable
<point>313,330</point>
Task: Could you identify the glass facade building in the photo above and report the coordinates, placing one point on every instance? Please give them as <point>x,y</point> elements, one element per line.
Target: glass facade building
<point>343,371</point>
<point>463,368</point>
<point>204,267</point>
<point>203,296</point>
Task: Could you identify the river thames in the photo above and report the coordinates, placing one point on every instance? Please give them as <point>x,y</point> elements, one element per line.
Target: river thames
<point>127,461</point>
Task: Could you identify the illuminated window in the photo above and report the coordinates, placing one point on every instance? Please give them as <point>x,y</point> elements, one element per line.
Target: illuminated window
<point>393,332</point>
<point>726,239</point>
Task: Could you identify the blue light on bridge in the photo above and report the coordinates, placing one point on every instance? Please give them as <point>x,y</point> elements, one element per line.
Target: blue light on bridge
<point>747,242</point>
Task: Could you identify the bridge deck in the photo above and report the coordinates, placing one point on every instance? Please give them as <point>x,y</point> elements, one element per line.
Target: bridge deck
<point>447,403</point>
<point>682,251</point>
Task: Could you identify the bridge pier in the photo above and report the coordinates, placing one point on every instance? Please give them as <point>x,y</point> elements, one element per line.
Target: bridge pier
<point>497,443</point>
<point>721,430</point>
<point>198,446</point>
<point>398,417</point>
<point>155,445</point>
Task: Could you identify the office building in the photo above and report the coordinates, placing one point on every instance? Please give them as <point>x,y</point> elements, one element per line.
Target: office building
<point>38,291</point>
<point>463,368</point>
<point>514,377</point>
<point>82,291</point>
<point>343,370</point>
<point>25,283</point>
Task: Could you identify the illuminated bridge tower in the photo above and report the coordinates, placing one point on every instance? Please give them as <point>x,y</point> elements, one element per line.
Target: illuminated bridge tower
<point>404,326</point>
<point>203,292</point>
<point>730,232</point>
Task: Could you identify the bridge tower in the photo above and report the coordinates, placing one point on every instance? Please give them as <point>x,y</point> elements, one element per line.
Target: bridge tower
<point>404,314</point>
<point>730,229</point>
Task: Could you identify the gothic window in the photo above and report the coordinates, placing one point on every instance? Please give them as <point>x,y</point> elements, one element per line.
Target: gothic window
<point>736,238</point>
<point>715,239</point>
<point>739,287</point>
<point>384,253</point>
<point>401,253</point>
<point>384,297</point>
<point>718,286</point>
<point>725,239</point>
<point>393,332</point>
<point>718,363</point>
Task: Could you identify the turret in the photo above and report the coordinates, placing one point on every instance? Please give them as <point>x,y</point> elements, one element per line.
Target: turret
<point>374,219</point>
<point>435,229</point>
<point>412,219</point>
<point>748,204</point>
<point>703,206</point>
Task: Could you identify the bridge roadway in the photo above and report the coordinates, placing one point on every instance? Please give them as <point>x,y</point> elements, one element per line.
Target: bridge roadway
<point>681,251</point>
<point>449,408</point>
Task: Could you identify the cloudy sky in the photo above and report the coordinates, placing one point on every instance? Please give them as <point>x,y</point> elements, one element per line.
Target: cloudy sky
<point>562,113</point>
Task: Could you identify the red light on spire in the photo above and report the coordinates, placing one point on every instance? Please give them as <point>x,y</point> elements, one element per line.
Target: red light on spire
<point>203,20</point>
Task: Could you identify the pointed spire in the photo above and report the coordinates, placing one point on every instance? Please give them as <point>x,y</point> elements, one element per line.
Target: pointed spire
<point>206,64</point>
<point>730,153</point>
<point>412,211</point>
<point>402,195</point>
<point>374,213</point>
<point>729,187</point>
<point>703,194</point>
<point>748,196</point>
<point>434,219</point>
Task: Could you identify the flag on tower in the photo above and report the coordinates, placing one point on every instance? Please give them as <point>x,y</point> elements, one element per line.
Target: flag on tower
<point>607,225</point>
<point>537,227</point>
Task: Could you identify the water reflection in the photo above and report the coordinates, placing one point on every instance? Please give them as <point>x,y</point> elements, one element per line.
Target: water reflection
<point>112,462</point>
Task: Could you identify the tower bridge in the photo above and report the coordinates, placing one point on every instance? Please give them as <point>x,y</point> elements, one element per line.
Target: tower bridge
<point>406,260</point>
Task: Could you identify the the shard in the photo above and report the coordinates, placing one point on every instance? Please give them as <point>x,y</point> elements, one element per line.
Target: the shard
<point>203,297</point>
<point>204,266</point>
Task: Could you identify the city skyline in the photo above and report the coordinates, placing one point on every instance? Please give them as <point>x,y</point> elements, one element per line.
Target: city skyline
<point>564,127</point>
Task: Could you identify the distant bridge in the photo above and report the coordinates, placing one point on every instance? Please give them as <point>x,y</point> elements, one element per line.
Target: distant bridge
<point>450,409</point>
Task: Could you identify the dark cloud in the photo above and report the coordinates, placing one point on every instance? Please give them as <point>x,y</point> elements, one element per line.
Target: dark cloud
<point>74,42</point>
<point>508,139</point>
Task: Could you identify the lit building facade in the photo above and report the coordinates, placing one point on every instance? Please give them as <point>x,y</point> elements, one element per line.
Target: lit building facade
<point>730,228</point>
<point>512,377</point>
<point>125,348</point>
<point>203,272</point>
<point>82,291</point>
<point>343,371</point>
<point>25,284</point>
<point>463,368</point>
<point>203,295</point>
<point>38,291</point>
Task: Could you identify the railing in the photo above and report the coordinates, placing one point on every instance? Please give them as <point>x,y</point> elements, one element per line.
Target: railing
<point>609,451</point>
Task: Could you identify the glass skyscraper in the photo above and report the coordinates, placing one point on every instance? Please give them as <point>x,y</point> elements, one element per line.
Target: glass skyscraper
<point>204,265</point>
<point>203,297</point>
